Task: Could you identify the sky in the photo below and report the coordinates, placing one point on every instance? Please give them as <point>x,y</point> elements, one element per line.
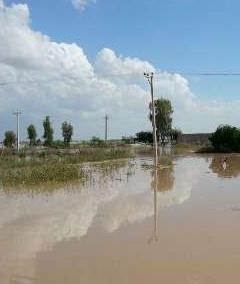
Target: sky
<point>76,60</point>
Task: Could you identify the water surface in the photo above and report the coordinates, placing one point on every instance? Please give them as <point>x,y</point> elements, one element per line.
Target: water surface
<point>128,226</point>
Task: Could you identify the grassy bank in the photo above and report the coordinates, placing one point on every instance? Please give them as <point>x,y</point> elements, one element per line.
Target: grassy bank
<point>41,167</point>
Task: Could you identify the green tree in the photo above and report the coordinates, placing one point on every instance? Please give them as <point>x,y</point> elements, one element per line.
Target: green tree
<point>67,132</point>
<point>32,134</point>
<point>10,139</point>
<point>96,142</point>
<point>174,135</point>
<point>145,137</point>
<point>226,139</point>
<point>48,131</point>
<point>163,115</point>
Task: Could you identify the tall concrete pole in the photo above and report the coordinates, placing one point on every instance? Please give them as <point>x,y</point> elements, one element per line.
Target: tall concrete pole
<point>106,127</point>
<point>17,113</point>
<point>149,76</point>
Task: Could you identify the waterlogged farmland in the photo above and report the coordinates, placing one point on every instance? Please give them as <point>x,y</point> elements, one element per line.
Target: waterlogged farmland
<point>127,223</point>
<point>33,169</point>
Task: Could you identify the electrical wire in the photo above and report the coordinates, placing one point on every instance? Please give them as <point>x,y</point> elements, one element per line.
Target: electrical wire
<point>204,74</point>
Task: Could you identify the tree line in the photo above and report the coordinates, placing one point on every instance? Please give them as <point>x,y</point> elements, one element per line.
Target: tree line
<point>48,132</point>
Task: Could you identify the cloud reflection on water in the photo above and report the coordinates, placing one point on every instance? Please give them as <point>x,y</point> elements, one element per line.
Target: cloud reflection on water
<point>29,225</point>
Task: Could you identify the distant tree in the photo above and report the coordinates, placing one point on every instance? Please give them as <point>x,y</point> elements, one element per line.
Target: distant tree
<point>67,132</point>
<point>163,117</point>
<point>145,137</point>
<point>97,142</point>
<point>174,135</point>
<point>32,134</point>
<point>226,139</point>
<point>10,139</point>
<point>48,131</point>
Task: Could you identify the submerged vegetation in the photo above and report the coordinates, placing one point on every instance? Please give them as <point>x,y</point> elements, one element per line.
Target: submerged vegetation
<point>47,172</point>
<point>34,168</point>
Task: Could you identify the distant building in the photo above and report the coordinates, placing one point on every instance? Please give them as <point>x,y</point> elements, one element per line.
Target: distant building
<point>195,139</point>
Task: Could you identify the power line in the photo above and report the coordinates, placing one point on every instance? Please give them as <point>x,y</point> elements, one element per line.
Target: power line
<point>202,74</point>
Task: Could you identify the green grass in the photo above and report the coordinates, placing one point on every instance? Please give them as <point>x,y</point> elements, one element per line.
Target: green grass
<point>23,170</point>
<point>96,155</point>
<point>34,175</point>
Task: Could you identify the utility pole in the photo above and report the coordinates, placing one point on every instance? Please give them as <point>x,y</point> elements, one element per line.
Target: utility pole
<point>149,77</point>
<point>18,113</point>
<point>154,236</point>
<point>106,128</point>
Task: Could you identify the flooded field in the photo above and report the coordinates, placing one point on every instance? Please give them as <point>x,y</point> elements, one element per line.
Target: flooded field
<point>128,225</point>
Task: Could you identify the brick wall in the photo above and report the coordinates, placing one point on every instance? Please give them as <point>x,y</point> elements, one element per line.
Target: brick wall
<point>197,139</point>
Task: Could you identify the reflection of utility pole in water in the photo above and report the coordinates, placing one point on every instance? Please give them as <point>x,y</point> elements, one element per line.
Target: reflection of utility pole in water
<point>154,236</point>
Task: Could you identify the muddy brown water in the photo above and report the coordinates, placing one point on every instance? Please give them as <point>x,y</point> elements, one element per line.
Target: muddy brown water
<point>132,227</point>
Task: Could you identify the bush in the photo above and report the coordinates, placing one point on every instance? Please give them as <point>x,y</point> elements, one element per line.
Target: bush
<point>97,142</point>
<point>10,139</point>
<point>226,139</point>
<point>58,144</point>
<point>145,137</point>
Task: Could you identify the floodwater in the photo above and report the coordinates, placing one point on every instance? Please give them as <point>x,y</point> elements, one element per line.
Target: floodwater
<point>133,225</point>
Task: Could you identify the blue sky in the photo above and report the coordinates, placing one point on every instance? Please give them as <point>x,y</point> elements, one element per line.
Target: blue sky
<point>189,35</point>
<point>172,35</point>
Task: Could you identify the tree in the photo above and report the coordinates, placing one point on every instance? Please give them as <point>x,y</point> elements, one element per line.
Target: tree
<point>48,131</point>
<point>67,132</point>
<point>32,134</point>
<point>10,139</point>
<point>164,111</point>
<point>226,139</point>
<point>96,142</point>
<point>145,137</point>
<point>174,135</point>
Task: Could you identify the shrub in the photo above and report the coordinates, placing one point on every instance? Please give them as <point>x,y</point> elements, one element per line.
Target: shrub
<point>58,144</point>
<point>145,137</point>
<point>96,142</point>
<point>10,139</point>
<point>226,139</point>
